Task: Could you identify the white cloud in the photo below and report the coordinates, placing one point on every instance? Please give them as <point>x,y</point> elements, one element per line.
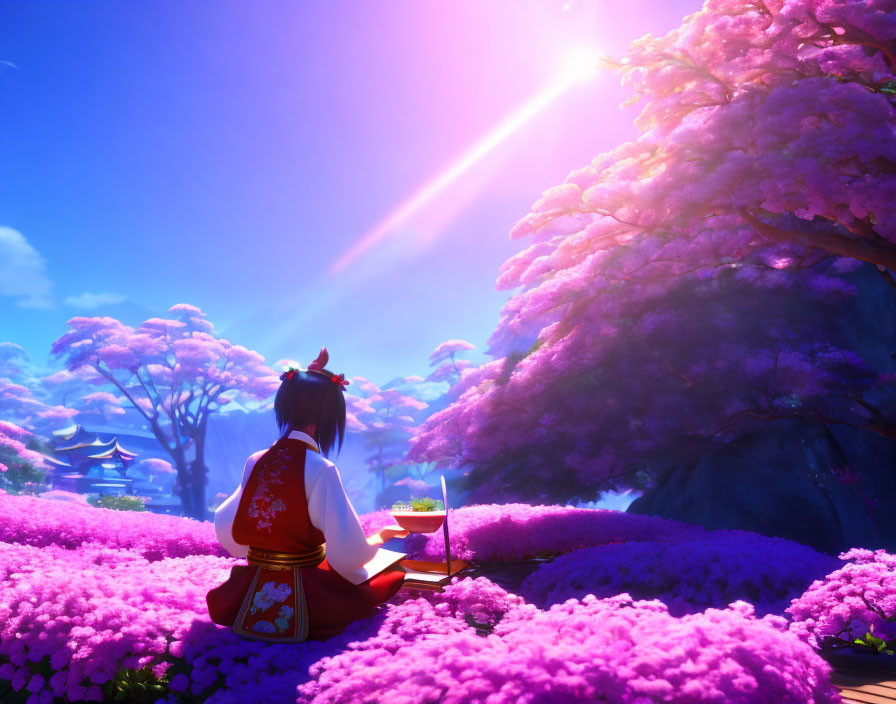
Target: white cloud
<point>95,300</point>
<point>13,359</point>
<point>23,271</point>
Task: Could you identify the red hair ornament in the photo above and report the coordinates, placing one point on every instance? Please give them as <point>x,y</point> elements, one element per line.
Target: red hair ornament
<point>318,366</point>
<point>340,379</point>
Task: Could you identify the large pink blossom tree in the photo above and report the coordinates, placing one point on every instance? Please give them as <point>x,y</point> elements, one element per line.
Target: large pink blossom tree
<point>175,372</point>
<point>763,176</point>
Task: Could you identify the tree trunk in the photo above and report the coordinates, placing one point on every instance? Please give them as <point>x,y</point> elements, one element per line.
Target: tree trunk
<point>179,459</point>
<point>196,492</point>
<point>198,475</point>
<point>183,480</point>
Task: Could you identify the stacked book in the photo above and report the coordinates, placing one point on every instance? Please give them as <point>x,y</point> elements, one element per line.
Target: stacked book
<point>421,574</point>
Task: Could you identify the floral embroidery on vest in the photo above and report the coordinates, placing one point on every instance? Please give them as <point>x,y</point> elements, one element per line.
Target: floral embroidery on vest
<point>264,504</point>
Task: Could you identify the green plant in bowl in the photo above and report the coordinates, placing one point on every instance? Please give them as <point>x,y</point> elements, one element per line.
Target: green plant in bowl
<point>419,505</point>
<point>419,515</point>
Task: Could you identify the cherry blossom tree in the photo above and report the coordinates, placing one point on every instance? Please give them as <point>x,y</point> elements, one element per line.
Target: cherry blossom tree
<point>764,123</point>
<point>448,367</point>
<point>14,360</point>
<point>175,372</point>
<point>386,418</point>
<point>762,179</point>
<point>101,403</point>
<point>20,466</point>
<point>20,404</point>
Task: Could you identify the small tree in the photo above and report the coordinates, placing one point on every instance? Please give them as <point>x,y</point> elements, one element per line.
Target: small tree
<point>22,470</point>
<point>384,418</point>
<point>448,367</point>
<point>175,372</point>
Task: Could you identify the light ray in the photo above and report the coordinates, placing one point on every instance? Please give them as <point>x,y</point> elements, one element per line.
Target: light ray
<point>578,65</point>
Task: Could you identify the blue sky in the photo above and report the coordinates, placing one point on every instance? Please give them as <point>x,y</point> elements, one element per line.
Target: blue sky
<point>227,154</point>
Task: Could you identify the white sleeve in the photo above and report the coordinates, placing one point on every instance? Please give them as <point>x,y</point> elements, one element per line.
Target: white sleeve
<point>348,551</point>
<point>226,512</point>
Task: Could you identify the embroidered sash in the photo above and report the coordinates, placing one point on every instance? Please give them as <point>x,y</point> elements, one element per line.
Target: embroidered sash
<point>276,596</point>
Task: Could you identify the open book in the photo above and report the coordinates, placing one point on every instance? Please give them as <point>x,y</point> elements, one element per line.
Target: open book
<point>383,559</point>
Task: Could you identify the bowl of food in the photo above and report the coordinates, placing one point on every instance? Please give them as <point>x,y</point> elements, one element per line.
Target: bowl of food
<point>419,515</point>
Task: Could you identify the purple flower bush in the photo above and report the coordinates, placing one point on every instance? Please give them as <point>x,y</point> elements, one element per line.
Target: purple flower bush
<point>850,602</point>
<point>62,495</point>
<point>405,619</point>
<point>477,532</point>
<point>510,532</point>
<point>96,609</point>
<point>34,521</point>
<point>103,597</point>
<point>689,575</point>
<point>614,649</point>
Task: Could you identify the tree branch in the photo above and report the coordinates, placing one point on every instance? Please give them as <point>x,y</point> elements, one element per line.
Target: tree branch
<point>877,251</point>
<point>675,372</point>
<point>151,419</point>
<point>854,35</point>
<point>149,397</point>
<point>111,377</point>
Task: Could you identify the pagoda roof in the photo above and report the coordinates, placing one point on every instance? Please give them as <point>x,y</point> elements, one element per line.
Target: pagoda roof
<point>57,463</point>
<point>72,434</point>
<point>112,444</point>
<point>67,433</point>
<point>115,449</point>
<point>81,445</point>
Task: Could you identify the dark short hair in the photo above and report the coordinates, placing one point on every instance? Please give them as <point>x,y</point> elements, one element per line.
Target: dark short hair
<point>310,397</point>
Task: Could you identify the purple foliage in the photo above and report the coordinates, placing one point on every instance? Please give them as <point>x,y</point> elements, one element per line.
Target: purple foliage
<point>103,606</point>
<point>689,575</point>
<point>38,522</point>
<point>508,532</point>
<point>766,142</point>
<point>96,609</point>
<point>849,602</point>
<point>612,649</point>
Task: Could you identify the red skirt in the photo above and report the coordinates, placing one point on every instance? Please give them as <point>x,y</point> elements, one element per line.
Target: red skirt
<point>332,601</point>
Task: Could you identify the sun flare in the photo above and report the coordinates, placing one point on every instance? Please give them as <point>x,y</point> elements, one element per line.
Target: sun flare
<point>580,64</point>
<point>577,65</point>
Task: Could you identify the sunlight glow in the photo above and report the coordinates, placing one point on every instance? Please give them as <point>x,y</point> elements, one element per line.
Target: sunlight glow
<point>578,65</point>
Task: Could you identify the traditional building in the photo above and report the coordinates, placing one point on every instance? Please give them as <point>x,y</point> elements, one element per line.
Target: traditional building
<point>87,463</point>
<point>106,460</point>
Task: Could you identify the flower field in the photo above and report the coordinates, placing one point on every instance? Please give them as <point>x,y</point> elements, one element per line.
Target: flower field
<point>100,605</point>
